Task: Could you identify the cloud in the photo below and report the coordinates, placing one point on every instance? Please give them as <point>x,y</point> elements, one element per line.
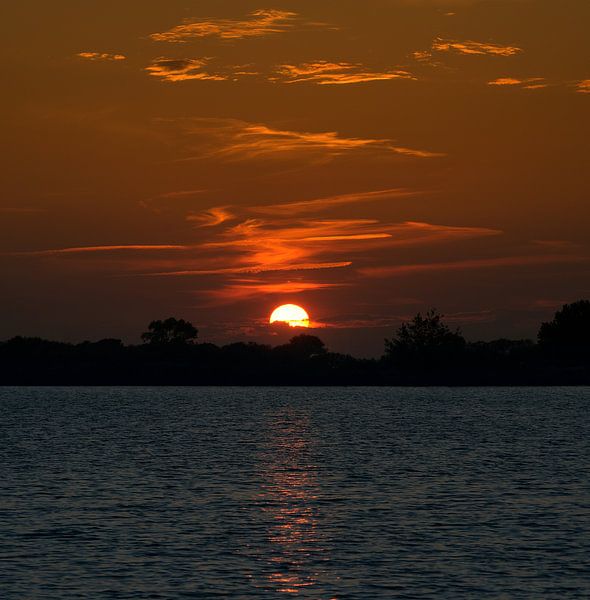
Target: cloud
<point>174,70</point>
<point>211,217</point>
<point>232,139</point>
<point>356,321</point>
<point>557,244</point>
<point>362,321</point>
<point>422,55</point>
<point>258,23</point>
<point>236,242</point>
<point>255,246</point>
<point>254,269</point>
<point>342,237</point>
<point>233,241</point>
<point>531,83</point>
<point>181,194</point>
<point>259,246</point>
<point>113,248</point>
<point>329,73</point>
<point>283,244</point>
<point>535,86</point>
<point>474,48</point>
<point>537,83</point>
<point>321,204</point>
<point>505,81</point>
<point>412,233</point>
<point>184,69</point>
<point>101,56</point>
<point>319,73</point>
<point>243,289</point>
<point>470,264</point>
<point>467,47</point>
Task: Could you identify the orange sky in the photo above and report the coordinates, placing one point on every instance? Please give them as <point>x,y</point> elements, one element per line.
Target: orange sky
<point>213,159</point>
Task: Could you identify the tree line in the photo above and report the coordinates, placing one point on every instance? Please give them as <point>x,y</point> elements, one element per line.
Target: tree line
<point>422,351</point>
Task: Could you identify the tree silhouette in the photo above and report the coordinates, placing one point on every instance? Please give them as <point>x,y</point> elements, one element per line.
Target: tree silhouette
<point>307,345</point>
<point>423,351</point>
<point>170,331</point>
<point>425,342</point>
<point>302,347</point>
<point>569,331</point>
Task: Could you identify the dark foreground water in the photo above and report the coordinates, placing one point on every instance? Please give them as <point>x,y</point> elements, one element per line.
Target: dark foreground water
<point>270,493</point>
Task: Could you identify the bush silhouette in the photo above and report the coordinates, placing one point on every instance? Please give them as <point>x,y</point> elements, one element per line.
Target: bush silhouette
<point>569,331</point>
<point>170,331</point>
<point>424,343</point>
<point>302,347</point>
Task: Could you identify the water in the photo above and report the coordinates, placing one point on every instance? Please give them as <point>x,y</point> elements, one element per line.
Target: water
<point>294,492</point>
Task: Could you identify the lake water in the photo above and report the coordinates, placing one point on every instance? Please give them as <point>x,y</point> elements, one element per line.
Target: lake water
<point>295,492</point>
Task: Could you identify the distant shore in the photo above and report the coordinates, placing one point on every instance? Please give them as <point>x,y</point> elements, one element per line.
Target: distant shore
<point>422,352</point>
<point>31,361</point>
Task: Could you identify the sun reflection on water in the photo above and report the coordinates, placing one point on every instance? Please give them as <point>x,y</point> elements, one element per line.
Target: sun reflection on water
<point>289,501</point>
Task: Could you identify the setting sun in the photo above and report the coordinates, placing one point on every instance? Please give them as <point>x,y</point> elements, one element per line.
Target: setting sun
<point>293,315</point>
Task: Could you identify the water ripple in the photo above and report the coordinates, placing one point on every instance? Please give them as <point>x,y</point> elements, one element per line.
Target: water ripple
<point>295,492</point>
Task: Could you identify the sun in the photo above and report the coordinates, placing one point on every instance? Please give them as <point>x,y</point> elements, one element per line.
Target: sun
<point>293,315</point>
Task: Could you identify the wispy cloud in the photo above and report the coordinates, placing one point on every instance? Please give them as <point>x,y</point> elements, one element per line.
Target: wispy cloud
<point>535,86</point>
<point>242,289</point>
<point>330,202</point>
<point>505,81</point>
<point>318,73</point>
<point>184,69</point>
<point>180,194</point>
<point>101,56</point>
<point>232,139</point>
<point>235,243</point>
<point>432,56</point>
<point>347,237</point>
<point>470,264</point>
<point>362,321</point>
<point>264,244</point>
<point>413,233</point>
<point>424,56</point>
<point>255,269</point>
<point>531,83</point>
<point>256,24</point>
<point>474,48</point>
<point>211,217</point>
<point>259,246</point>
<point>557,244</point>
<point>356,321</point>
<point>113,248</point>
<point>537,83</point>
<point>329,73</point>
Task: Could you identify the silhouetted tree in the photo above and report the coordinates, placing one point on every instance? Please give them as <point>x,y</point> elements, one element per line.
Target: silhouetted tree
<point>423,351</point>
<point>307,345</point>
<point>569,331</point>
<point>424,343</point>
<point>170,331</point>
<point>302,347</point>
